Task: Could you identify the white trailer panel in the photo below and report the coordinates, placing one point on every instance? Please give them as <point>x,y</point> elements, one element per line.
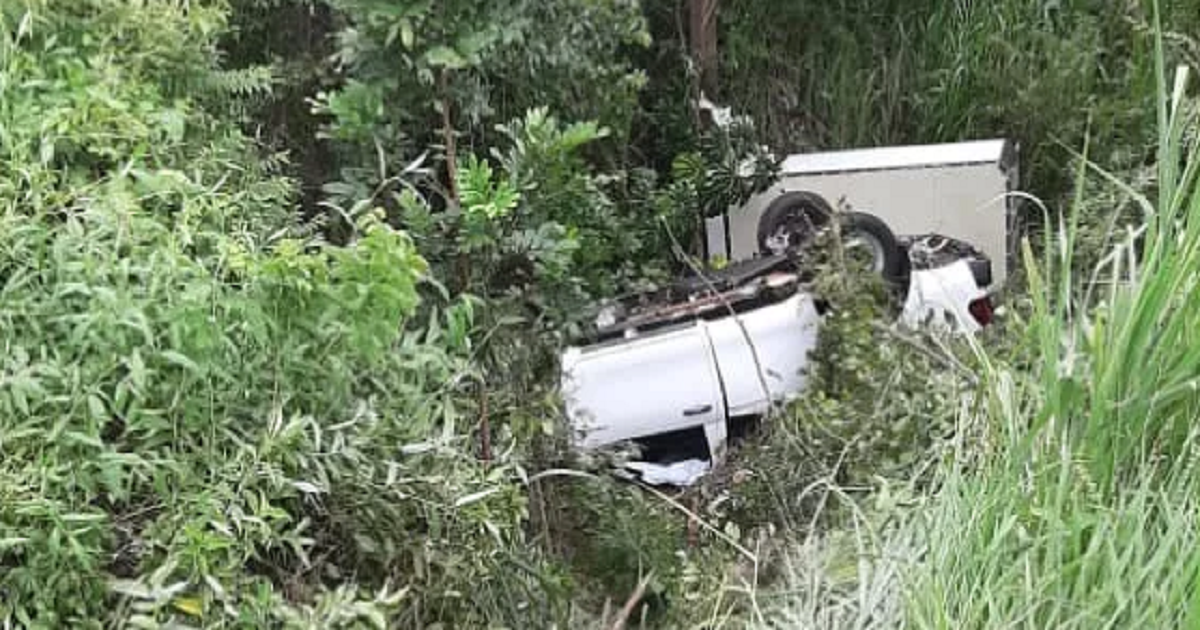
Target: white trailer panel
<point>958,190</point>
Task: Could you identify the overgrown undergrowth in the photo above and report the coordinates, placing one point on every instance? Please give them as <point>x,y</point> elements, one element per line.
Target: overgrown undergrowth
<point>1069,502</point>
<point>212,415</point>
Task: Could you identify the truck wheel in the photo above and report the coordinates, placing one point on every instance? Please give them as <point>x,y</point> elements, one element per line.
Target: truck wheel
<point>790,221</point>
<point>869,234</point>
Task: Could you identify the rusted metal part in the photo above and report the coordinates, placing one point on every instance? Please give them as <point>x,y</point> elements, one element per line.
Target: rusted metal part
<point>696,305</point>
<point>760,282</point>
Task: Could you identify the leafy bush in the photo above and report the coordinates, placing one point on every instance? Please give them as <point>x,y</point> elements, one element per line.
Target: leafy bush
<point>214,415</point>
<point>419,75</point>
<point>208,415</point>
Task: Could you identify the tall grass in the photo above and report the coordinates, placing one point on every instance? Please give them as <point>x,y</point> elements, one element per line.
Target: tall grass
<point>1088,517</point>
<point>864,73</point>
<point>1084,509</point>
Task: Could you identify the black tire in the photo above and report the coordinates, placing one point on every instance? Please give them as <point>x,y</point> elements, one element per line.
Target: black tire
<point>794,217</point>
<point>888,258</point>
<point>799,216</point>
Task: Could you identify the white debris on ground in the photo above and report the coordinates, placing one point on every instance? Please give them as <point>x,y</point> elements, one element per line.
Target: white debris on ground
<point>682,474</point>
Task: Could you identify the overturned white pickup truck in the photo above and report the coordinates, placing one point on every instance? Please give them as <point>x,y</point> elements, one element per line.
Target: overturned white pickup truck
<point>710,349</point>
<point>729,346</point>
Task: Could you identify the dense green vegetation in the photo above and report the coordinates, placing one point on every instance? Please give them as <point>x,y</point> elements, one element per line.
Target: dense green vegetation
<point>1068,498</point>
<point>282,285</point>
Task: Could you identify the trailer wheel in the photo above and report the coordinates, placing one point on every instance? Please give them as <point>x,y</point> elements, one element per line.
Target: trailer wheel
<point>793,219</point>
<point>790,221</point>
<point>869,234</point>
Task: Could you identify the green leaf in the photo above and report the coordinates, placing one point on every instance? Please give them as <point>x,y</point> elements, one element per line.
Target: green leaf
<point>407,37</point>
<point>307,487</point>
<point>76,437</point>
<point>445,57</point>
<point>131,588</point>
<point>9,543</point>
<point>180,360</point>
<point>78,517</point>
<point>475,497</point>
<point>191,606</point>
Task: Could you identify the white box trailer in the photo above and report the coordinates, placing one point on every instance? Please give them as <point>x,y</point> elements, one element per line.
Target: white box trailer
<point>960,190</point>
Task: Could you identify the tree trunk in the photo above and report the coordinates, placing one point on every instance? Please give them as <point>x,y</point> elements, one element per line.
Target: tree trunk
<point>702,43</point>
<point>447,107</point>
<point>702,17</point>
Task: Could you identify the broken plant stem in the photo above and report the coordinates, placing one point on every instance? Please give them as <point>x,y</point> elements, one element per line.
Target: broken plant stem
<point>634,598</point>
<point>485,428</point>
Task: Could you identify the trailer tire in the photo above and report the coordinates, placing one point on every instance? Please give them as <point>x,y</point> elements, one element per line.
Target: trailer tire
<point>790,221</point>
<point>794,218</point>
<point>888,258</point>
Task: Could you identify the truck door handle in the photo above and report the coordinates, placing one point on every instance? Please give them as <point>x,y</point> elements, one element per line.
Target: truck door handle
<point>698,410</point>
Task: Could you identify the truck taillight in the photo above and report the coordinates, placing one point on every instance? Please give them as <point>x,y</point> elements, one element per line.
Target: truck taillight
<point>981,310</point>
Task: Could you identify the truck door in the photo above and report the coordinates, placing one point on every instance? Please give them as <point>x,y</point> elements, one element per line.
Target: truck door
<point>782,334</point>
<point>660,381</point>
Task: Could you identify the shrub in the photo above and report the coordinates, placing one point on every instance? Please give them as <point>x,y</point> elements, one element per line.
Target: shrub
<point>210,416</point>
